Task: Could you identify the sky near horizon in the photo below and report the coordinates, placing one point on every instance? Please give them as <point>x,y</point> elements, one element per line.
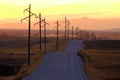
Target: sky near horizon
<point>12,10</point>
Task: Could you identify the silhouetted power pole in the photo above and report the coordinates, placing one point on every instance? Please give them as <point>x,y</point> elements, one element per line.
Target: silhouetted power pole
<point>57,37</point>
<point>40,32</point>
<point>72,32</point>
<point>68,28</point>
<point>45,37</point>
<point>80,34</point>
<point>77,29</point>
<point>65,27</point>
<point>29,29</point>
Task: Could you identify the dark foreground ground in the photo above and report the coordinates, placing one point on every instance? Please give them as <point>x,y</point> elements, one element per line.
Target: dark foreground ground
<point>13,55</point>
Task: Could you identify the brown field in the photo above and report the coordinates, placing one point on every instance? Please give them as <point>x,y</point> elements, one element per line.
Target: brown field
<point>101,59</point>
<point>107,35</point>
<point>13,55</point>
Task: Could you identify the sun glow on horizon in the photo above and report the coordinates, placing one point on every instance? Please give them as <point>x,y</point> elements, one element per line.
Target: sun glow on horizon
<point>12,10</point>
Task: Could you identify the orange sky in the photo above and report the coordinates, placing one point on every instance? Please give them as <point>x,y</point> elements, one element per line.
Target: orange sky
<point>88,14</point>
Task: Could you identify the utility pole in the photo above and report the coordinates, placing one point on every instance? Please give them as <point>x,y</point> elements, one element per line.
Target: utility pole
<point>29,29</point>
<point>57,37</point>
<point>45,37</point>
<point>68,28</point>
<point>77,29</point>
<point>40,32</point>
<point>72,32</point>
<point>76,32</point>
<point>80,34</point>
<point>65,27</point>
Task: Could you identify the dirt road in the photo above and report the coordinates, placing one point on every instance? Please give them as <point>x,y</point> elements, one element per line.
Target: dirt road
<point>64,65</point>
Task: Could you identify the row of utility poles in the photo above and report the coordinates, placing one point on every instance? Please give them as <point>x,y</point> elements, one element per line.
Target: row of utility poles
<point>57,35</point>
<point>29,30</point>
<point>42,24</point>
<point>67,27</point>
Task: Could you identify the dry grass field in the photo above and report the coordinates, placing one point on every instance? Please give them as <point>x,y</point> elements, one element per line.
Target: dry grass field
<point>107,35</point>
<point>13,55</point>
<point>101,59</point>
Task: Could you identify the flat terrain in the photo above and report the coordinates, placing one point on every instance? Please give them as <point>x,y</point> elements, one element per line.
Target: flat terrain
<point>13,54</point>
<point>102,45</point>
<point>101,59</point>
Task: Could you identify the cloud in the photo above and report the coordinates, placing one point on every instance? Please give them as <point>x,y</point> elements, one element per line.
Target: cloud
<point>79,15</point>
<point>92,13</point>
